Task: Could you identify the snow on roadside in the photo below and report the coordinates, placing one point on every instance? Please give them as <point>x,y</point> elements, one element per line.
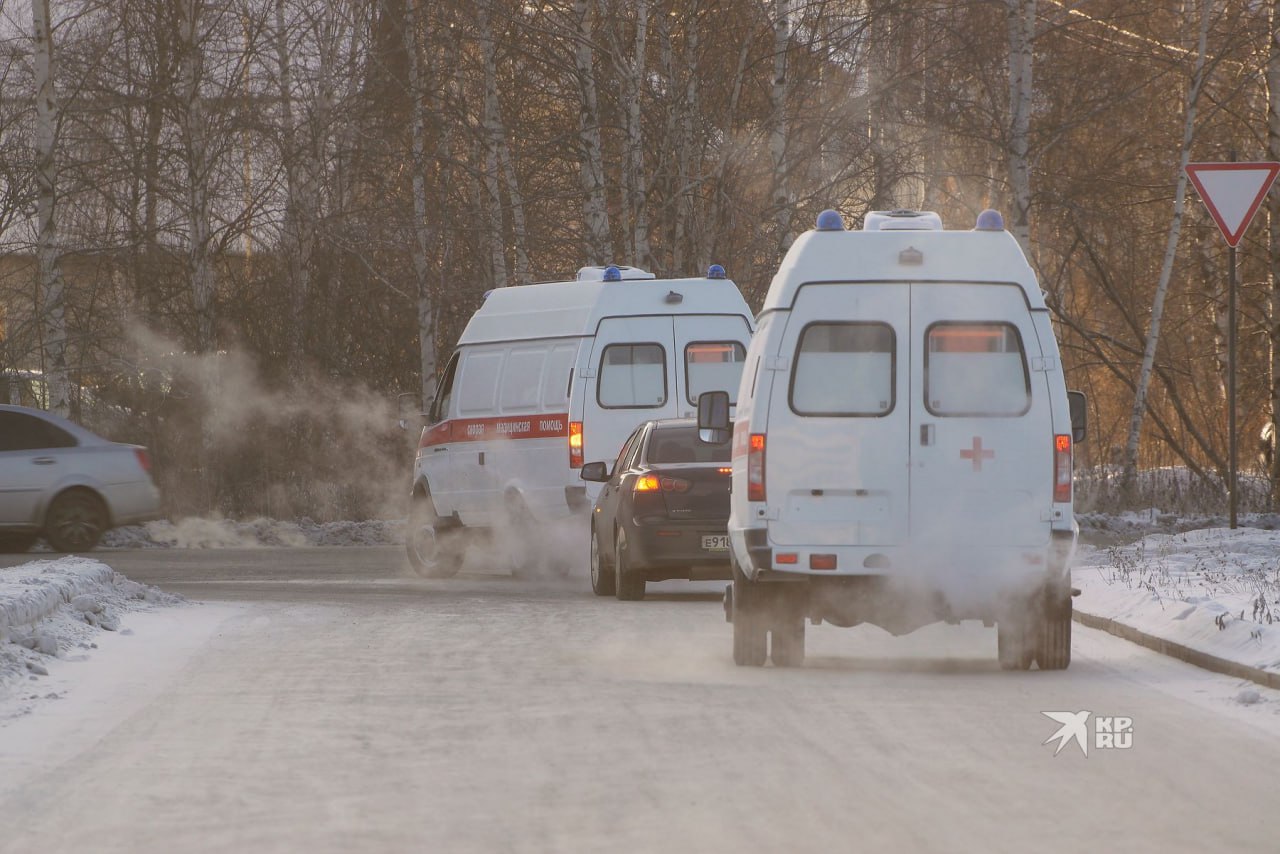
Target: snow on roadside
<point>218,533</point>
<point>1215,590</point>
<point>51,609</point>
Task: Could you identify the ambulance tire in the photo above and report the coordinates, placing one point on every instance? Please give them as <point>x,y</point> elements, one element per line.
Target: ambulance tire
<point>434,551</point>
<point>628,583</point>
<point>1014,644</point>
<point>788,641</point>
<point>750,623</point>
<point>1054,648</point>
<point>602,578</point>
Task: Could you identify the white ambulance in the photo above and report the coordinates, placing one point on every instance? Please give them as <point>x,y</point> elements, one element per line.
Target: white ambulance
<point>546,376</point>
<point>903,444</point>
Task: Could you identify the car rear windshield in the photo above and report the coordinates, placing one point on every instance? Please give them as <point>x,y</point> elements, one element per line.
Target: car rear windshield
<point>975,369</point>
<point>681,445</point>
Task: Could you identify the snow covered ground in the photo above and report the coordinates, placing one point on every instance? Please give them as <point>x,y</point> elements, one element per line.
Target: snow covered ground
<point>1208,588</point>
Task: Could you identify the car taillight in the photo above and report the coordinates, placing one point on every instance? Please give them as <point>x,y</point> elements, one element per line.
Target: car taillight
<point>144,459</point>
<point>1062,468</point>
<point>755,468</point>
<point>675,484</point>
<point>656,483</point>
<point>575,444</point>
<point>647,483</point>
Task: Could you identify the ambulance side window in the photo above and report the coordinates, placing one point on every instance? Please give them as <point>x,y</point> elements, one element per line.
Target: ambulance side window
<point>521,377</point>
<point>844,369</point>
<point>713,366</point>
<point>975,369</point>
<point>444,391</point>
<point>479,391</point>
<point>632,376</point>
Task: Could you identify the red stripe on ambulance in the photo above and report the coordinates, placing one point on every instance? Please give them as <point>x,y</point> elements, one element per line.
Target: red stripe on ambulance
<point>487,429</point>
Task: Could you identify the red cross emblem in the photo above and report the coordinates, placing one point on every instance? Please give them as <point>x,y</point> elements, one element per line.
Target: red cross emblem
<point>977,453</point>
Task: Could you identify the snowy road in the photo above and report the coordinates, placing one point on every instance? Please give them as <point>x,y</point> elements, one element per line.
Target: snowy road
<point>325,701</point>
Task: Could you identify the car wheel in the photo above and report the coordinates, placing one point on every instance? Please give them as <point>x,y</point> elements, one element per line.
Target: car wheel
<point>16,544</point>
<point>75,522</point>
<point>629,584</point>
<point>1054,649</point>
<point>603,582</point>
<point>1013,644</point>
<point>434,552</point>
<point>750,631</point>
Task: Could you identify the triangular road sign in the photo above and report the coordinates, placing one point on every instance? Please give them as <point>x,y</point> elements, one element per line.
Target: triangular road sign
<point>1232,192</point>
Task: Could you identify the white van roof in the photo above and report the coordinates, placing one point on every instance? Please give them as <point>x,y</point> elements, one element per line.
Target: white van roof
<point>891,254</point>
<point>574,309</point>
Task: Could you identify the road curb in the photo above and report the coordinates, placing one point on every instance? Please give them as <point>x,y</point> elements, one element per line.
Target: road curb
<point>1179,651</point>
<point>45,591</point>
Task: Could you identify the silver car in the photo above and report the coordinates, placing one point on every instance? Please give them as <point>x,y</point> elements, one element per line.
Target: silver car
<point>61,482</point>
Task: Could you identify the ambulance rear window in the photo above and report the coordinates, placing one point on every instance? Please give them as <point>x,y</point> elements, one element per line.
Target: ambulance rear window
<point>632,376</point>
<point>844,369</point>
<point>975,369</point>
<point>713,366</point>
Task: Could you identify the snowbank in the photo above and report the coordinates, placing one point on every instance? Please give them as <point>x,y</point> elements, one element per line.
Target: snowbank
<point>1213,591</point>
<point>217,533</point>
<point>50,607</point>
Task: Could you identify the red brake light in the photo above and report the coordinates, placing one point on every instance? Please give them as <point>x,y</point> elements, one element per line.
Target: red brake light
<point>575,444</point>
<point>144,459</point>
<point>822,561</point>
<point>786,557</point>
<point>755,468</point>
<point>1062,468</point>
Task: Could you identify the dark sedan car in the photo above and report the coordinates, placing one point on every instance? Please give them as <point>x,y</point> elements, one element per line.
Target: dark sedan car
<point>663,510</point>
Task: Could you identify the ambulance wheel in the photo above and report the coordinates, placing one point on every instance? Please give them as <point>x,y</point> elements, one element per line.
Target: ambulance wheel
<point>628,584</point>
<point>750,628</point>
<point>1054,648</point>
<point>1013,644</point>
<point>434,552</point>
<point>787,644</point>
<point>602,578</point>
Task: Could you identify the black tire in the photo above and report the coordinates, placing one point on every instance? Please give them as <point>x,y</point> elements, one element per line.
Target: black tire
<point>603,582</point>
<point>787,644</point>
<point>1014,644</point>
<point>434,551</point>
<point>75,522</point>
<point>750,628</point>
<point>1054,648</point>
<point>628,583</point>
<point>16,544</point>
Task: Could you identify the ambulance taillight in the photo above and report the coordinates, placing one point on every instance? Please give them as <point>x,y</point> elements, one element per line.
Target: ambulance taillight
<point>1062,468</point>
<point>575,444</point>
<point>755,468</point>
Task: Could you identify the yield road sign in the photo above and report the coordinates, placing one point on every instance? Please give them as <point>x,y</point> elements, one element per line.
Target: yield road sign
<point>1232,192</point>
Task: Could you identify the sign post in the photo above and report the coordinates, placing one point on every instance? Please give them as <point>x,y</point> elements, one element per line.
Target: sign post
<point>1232,192</point>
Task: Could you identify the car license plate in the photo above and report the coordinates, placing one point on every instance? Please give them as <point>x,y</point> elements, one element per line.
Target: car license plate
<point>716,542</point>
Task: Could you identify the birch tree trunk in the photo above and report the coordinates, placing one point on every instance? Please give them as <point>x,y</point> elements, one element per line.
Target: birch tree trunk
<point>780,127</point>
<point>193,126</point>
<point>1022,25</point>
<point>491,124</point>
<point>1170,251</point>
<point>422,235</point>
<point>297,229</point>
<point>48,252</point>
<point>1273,234</point>
<point>595,212</point>
<point>634,180</point>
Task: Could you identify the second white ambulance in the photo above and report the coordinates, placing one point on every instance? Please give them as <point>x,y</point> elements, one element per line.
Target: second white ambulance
<point>547,376</point>
<point>903,444</point>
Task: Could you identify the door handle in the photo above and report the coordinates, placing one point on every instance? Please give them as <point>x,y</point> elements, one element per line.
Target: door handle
<point>926,434</point>
<point>439,448</point>
<point>44,461</point>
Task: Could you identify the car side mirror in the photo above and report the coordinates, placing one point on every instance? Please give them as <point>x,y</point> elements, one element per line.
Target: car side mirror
<point>595,472</point>
<point>410,411</point>
<point>1079,406</point>
<point>713,418</point>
